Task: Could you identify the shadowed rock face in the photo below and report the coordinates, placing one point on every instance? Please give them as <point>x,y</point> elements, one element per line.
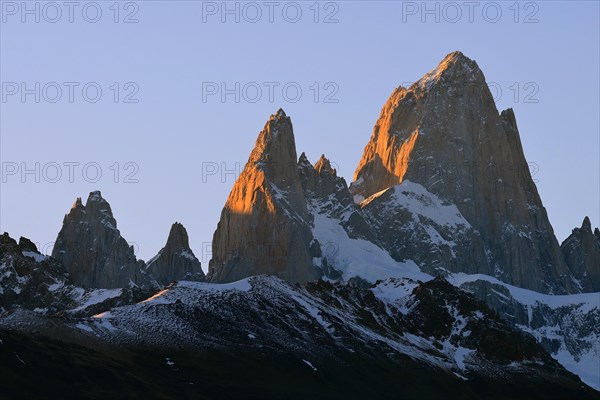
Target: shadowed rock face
<point>29,279</point>
<point>581,251</point>
<point>92,250</point>
<point>445,134</point>
<point>175,261</point>
<point>328,194</point>
<point>265,224</point>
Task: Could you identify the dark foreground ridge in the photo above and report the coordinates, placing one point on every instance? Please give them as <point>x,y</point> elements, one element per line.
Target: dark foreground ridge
<point>263,338</point>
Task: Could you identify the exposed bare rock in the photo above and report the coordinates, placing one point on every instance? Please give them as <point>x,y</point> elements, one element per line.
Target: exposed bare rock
<point>582,254</point>
<point>29,279</point>
<point>176,261</point>
<point>415,224</point>
<point>265,224</point>
<point>32,281</point>
<point>445,134</point>
<point>92,250</point>
<point>328,194</point>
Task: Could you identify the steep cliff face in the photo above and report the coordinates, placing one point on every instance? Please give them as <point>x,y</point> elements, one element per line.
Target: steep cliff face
<point>92,250</point>
<point>265,226</point>
<point>328,194</point>
<point>581,251</point>
<point>445,135</point>
<point>176,261</point>
<point>40,284</point>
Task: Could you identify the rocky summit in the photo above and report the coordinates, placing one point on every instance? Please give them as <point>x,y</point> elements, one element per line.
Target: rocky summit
<point>582,254</point>
<point>443,137</point>
<point>265,224</point>
<point>92,250</point>
<point>176,261</point>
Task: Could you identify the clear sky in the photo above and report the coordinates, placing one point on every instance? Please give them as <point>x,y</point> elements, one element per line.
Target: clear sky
<point>167,123</point>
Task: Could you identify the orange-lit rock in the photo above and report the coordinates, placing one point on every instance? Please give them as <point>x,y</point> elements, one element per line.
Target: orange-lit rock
<point>265,225</point>
<point>445,134</point>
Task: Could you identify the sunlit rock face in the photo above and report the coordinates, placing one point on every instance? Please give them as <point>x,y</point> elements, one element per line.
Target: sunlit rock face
<point>445,135</point>
<point>581,251</point>
<point>92,250</point>
<point>265,224</point>
<point>176,261</point>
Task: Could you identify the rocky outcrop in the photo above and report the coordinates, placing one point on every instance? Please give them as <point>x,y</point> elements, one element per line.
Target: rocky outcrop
<point>265,226</point>
<point>29,279</point>
<point>581,251</point>
<point>32,281</point>
<point>92,250</point>
<point>176,261</point>
<point>568,327</point>
<point>445,134</point>
<point>415,224</point>
<point>330,202</point>
<point>328,194</point>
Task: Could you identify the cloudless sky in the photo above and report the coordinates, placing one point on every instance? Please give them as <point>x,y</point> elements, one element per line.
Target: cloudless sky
<point>542,59</point>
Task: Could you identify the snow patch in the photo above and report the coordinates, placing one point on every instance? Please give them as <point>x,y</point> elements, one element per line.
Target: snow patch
<point>586,301</point>
<point>36,256</point>
<point>359,257</point>
<point>420,202</point>
<point>310,365</point>
<point>84,327</point>
<point>97,296</point>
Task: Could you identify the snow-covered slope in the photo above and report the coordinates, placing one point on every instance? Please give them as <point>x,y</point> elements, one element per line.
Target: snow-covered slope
<point>324,321</point>
<point>568,326</point>
<point>359,257</point>
<point>414,224</point>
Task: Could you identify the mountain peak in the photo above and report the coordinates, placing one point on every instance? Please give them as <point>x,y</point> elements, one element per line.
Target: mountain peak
<point>265,225</point>
<point>27,245</point>
<point>96,195</point>
<point>303,161</point>
<point>175,261</point>
<point>274,152</point>
<point>92,249</point>
<point>440,133</point>
<point>323,165</point>
<point>178,236</point>
<point>586,225</point>
<point>278,115</point>
<point>96,207</point>
<point>455,68</point>
<point>78,203</point>
<point>581,251</point>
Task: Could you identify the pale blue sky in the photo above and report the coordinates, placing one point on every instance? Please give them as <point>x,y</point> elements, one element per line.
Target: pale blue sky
<point>170,132</point>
